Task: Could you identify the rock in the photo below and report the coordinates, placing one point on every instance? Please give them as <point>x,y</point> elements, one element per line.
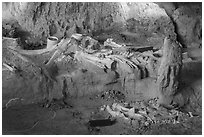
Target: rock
<point>169,71</point>
<point>188,19</point>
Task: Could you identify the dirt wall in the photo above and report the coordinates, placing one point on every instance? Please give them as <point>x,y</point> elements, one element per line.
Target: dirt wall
<point>187,18</point>
<point>36,21</point>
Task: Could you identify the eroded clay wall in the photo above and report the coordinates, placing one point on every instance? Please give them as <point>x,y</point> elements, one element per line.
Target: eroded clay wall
<point>135,20</point>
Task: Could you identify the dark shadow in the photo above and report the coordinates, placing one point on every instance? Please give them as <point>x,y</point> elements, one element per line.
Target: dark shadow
<point>189,92</point>
<point>23,35</point>
<point>101,123</point>
<point>191,71</point>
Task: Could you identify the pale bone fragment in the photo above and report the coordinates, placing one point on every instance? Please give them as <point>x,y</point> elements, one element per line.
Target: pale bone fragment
<point>40,51</point>
<point>146,123</point>
<point>159,52</point>
<point>143,56</point>
<point>114,113</point>
<point>128,54</point>
<point>109,42</point>
<point>124,67</point>
<point>77,36</point>
<point>62,46</point>
<point>102,108</point>
<point>79,55</point>
<point>125,54</point>
<point>190,114</point>
<point>149,54</point>
<point>106,52</point>
<point>118,107</point>
<point>175,121</point>
<point>8,38</point>
<point>130,113</point>
<point>122,60</point>
<point>135,60</point>
<point>33,52</point>
<point>9,67</point>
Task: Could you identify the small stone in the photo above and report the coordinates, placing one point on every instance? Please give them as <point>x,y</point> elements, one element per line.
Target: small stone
<point>102,108</point>
<point>146,123</point>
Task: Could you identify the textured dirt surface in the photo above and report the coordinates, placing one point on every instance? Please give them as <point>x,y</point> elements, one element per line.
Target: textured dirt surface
<point>75,119</point>
<point>84,102</point>
<point>23,93</point>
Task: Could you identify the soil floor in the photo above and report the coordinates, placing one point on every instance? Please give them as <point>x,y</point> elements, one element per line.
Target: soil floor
<point>75,120</point>
<point>84,116</point>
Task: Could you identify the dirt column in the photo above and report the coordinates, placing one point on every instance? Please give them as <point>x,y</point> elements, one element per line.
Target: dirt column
<point>169,71</point>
